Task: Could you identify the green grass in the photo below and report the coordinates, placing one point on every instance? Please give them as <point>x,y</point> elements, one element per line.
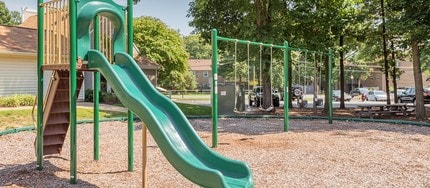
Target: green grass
<point>194,110</point>
<point>19,118</point>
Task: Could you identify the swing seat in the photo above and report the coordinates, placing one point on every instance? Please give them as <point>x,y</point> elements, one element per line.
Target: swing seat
<point>302,103</point>
<point>270,109</point>
<point>319,102</point>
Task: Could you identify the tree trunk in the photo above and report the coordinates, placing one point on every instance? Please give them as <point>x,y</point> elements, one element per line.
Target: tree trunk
<point>420,108</point>
<point>394,72</point>
<point>342,73</point>
<point>326,81</point>
<point>384,42</point>
<point>290,81</point>
<point>264,21</point>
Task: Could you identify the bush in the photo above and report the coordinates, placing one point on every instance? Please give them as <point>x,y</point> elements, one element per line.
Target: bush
<point>89,95</point>
<point>105,97</point>
<point>109,98</point>
<point>17,100</point>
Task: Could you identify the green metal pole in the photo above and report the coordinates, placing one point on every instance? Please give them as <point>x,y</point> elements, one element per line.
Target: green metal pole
<point>40,52</point>
<point>330,87</point>
<point>130,113</point>
<point>286,92</point>
<point>96,90</point>
<point>72,92</point>
<point>214,88</point>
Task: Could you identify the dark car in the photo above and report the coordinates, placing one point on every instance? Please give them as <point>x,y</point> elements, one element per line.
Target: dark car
<point>256,95</point>
<point>409,96</point>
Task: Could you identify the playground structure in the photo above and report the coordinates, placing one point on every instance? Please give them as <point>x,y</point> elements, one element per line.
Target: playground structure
<point>286,49</point>
<point>85,35</point>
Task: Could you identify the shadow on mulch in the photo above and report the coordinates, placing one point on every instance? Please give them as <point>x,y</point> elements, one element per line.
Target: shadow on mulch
<point>26,175</point>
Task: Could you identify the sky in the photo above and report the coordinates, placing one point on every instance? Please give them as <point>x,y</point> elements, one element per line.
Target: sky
<point>171,12</point>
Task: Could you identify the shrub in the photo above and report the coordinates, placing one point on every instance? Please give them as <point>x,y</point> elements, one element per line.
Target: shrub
<point>109,98</point>
<point>17,100</point>
<point>89,95</point>
<point>105,97</point>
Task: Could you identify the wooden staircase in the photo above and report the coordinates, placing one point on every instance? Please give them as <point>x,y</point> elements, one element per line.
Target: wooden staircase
<point>56,111</point>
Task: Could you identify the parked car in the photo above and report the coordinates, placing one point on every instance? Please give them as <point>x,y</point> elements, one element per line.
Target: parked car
<point>376,95</point>
<point>409,96</point>
<point>359,92</point>
<point>256,95</point>
<point>336,96</point>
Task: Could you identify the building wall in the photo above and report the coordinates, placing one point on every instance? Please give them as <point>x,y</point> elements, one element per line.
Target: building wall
<point>203,77</point>
<point>406,79</point>
<point>18,74</point>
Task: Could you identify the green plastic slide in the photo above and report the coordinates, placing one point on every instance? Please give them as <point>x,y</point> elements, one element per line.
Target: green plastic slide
<point>168,125</point>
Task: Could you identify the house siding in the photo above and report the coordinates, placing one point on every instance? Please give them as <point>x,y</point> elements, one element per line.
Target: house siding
<point>17,76</point>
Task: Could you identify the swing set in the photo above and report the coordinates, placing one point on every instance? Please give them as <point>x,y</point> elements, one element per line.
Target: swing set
<point>286,51</point>
<point>309,78</point>
<point>255,97</point>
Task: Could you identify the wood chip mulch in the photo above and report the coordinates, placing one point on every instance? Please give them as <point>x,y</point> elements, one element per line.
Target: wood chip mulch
<point>311,154</point>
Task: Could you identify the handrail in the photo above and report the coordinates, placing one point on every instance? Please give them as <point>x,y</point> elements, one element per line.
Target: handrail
<point>32,112</point>
<point>44,104</point>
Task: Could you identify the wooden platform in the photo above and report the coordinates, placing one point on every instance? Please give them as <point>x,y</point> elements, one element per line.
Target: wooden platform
<point>79,67</point>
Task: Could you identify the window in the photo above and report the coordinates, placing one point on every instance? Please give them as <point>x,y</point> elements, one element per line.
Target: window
<point>205,74</point>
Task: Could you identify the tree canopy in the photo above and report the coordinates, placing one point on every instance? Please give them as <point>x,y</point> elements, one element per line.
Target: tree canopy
<point>196,47</point>
<point>7,17</point>
<point>352,28</point>
<point>165,47</point>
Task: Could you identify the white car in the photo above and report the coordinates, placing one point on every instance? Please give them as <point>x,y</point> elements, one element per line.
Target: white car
<point>377,95</point>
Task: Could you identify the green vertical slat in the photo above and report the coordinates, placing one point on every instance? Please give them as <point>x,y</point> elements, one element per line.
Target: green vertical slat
<point>214,88</point>
<point>130,113</point>
<point>40,52</point>
<point>96,90</point>
<point>72,92</point>
<point>286,92</point>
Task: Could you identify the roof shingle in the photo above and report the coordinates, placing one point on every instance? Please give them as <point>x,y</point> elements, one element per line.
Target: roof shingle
<point>18,39</point>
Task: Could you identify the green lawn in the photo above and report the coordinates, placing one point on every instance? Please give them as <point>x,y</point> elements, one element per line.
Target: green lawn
<point>19,118</point>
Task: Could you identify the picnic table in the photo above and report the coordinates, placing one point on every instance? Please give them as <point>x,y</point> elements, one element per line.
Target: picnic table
<point>372,110</point>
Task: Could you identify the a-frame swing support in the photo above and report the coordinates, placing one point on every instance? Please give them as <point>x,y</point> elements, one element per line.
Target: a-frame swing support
<point>286,48</point>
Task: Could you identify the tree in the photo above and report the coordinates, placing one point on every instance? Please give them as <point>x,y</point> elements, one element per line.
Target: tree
<point>5,17</point>
<point>411,20</point>
<point>196,47</point>
<point>165,47</point>
<point>15,18</point>
<point>259,20</point>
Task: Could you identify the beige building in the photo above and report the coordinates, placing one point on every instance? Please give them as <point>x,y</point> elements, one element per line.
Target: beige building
<point>377,78</point>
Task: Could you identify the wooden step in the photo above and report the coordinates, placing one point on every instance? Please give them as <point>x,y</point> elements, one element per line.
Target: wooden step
<point>49,140</point>
<point>56,118</point>
<point>59,129</point>
<point>56,111</point>
<point>53,149</point>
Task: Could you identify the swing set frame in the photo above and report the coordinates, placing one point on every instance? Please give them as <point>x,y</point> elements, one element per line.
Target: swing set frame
<point>286,49</point>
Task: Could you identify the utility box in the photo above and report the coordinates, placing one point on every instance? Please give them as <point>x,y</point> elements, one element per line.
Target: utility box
<point>226,100</point>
